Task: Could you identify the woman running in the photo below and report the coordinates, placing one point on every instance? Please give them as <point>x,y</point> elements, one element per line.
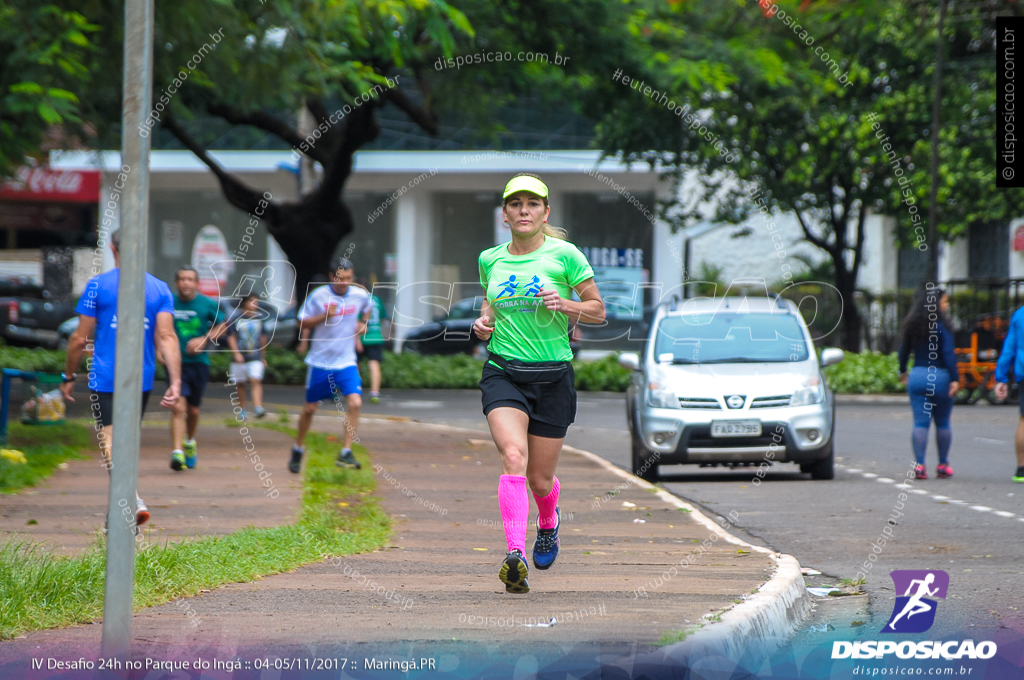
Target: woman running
<point>934,379</point>
<point>527,384</point>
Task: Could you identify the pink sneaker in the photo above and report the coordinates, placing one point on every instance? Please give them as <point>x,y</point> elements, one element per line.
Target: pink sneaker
<point>943,471</point>
<point>920,472</point>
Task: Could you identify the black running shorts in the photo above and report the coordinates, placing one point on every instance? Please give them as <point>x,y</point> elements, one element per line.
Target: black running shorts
<point>101,405</point>
<point>194,377</point>
<point>550,406</point>
<point>372,352</point>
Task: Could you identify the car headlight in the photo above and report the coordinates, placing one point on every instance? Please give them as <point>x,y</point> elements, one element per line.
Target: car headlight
<point>813,392</point>
<point>660,395</point>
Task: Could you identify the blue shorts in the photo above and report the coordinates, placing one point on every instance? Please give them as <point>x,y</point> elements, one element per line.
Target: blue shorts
<point>322,382</point>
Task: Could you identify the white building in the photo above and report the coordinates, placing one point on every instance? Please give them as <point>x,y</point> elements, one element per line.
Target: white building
<point>424,216</point>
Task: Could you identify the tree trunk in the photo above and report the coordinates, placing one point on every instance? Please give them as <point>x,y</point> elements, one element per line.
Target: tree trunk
<point>308,233</point>
<point>846,283</point>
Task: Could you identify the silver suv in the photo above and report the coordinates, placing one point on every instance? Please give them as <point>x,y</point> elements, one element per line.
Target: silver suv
<point>730,381</point>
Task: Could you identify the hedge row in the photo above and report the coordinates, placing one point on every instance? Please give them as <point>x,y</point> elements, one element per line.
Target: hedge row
<point>865,373</point>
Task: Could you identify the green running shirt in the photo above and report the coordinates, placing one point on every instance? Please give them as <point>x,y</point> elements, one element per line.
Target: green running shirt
<point>373,333</point>
<point>523,328</point>
<point>194,319</point>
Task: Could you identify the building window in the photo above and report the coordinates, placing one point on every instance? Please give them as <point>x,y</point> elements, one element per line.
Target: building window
<point>988,247</point>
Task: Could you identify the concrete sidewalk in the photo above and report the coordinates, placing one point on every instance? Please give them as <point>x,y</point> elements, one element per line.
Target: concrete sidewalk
<point>437,580</point>
<point>221,495</point>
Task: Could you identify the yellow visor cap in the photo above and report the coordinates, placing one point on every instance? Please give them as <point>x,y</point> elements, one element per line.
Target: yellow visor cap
<point>525,183</point>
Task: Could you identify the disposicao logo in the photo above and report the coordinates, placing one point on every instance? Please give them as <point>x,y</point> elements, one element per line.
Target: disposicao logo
<point>915,584</point>
<point>914,612</point>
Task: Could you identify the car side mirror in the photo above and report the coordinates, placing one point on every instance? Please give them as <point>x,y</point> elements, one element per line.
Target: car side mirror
<point>630,360</point>
<point>831,356</point>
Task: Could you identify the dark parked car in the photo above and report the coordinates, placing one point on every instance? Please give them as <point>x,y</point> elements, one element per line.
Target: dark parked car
<point>30,317</point>
<point>450,334</point>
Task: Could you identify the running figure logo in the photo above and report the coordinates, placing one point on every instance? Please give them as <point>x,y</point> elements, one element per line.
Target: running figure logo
<point>914,612</point>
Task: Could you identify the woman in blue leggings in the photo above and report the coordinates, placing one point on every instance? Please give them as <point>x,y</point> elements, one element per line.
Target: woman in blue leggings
<point>935,377</point>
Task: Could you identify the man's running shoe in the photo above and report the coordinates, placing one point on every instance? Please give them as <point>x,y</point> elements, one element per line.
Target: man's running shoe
<point>346,457</point>
<point>513,573</point>
<point>1019,477</point>
<point>177,460</point>
<point>141,512</point>
<point>920,472</point>
<point>189,445</point>
<point>296,462</point>
<point>545,549</point>
<point>260,411</point>
<point>374,397</point>
<point>944,471</point>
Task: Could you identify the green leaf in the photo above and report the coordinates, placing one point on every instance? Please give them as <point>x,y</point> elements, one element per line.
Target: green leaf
<point>47,113</point>
<point>27,88</point>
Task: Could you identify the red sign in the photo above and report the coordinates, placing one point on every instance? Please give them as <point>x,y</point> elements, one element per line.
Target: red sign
<point>62,186</point>
<point>1018,238</point>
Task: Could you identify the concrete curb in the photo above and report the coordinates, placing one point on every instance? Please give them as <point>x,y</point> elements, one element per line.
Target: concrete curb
<point>762,621</point>
<point>758,625</point>
<point>872,399</point>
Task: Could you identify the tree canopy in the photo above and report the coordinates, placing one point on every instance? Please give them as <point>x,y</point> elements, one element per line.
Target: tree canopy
<point>44,54</point>
<point>822,110</point>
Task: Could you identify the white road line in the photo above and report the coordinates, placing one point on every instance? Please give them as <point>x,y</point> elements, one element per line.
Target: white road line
<point>937,497</point>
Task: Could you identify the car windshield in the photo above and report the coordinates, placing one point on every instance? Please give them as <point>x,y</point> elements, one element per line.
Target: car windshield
<point>730,338</point>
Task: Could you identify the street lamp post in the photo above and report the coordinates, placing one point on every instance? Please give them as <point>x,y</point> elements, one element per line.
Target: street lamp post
<point>131,315</point>
<point>933,244</point>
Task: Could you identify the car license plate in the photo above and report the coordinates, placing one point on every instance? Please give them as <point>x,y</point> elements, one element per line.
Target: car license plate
<point>736,428</point>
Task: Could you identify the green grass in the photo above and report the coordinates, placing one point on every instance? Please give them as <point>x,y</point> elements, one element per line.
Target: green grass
<point>45,447</point>
<point>670,637</point>
<point>40,590</point>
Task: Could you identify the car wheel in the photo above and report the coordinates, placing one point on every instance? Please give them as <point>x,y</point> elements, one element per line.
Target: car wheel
<point>642,467</point>
<point>824,468</point>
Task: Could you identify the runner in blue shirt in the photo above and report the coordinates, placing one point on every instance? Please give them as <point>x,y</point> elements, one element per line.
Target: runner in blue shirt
<point>97,310</point>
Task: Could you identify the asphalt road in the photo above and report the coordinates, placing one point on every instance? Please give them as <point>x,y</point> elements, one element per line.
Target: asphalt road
<point>971,526</point>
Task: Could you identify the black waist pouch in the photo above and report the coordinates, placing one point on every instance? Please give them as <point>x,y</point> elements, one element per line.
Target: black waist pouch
<point>532,372</point>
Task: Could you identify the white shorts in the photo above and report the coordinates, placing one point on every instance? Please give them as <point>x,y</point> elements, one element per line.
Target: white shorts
<point>250,369</point>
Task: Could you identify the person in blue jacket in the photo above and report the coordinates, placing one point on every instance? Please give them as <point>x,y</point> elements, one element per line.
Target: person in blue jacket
<point>1013,351</point>
<point>935,377</point>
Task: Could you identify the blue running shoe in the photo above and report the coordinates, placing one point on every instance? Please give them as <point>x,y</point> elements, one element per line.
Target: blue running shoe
<point>513,573</point>
<point>545,549</point>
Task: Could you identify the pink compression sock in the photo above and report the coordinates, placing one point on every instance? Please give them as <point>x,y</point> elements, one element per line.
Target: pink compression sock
<point>515,510</point>
<point>546,507</point>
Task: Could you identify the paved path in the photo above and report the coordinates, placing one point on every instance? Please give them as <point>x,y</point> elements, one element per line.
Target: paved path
<point>222,494</point>
<point>440,568</point>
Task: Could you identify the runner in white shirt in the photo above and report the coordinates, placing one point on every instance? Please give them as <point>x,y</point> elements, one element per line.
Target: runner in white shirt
<point>337,315</point>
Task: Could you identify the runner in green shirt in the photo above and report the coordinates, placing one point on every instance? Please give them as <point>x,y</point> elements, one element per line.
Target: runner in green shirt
<point>199,322</point>
<point>371,345</point>
<point>527,383</point>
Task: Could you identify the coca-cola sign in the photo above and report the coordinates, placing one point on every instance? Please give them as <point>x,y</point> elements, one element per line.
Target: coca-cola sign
<point>42,184</point>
